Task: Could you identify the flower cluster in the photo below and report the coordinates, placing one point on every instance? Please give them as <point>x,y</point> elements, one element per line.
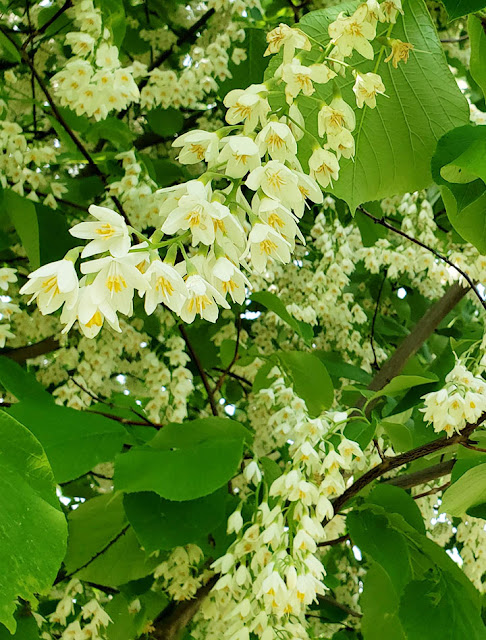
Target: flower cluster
<point>461,401</point>
<point>270,573</point>
<point>93,81</point>
<point>7,307</point>
<point>180,574</point>
<point>22,163</point>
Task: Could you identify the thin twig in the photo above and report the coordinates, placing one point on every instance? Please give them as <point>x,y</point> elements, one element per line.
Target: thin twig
<point>222,377</point>
<point>468,445</point>
<point>373,321</point>
<point>334,541</point>
<point>200,368</point>
<point>459,39</point>
<point>438,255</point>
<point>430,492</point>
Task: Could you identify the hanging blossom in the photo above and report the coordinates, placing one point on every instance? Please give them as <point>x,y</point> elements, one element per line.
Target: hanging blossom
<point>209,230</point>
<point>8,276</point>
<point>270,574</point>
<point>461,401</point>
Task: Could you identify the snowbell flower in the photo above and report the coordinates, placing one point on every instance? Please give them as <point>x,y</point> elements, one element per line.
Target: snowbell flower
<point>281,219</point>
<point>249,106</point>
<point>203,299</point>
<point>390,9</point>
<point>166,286</point>
<point>229,279</point>
<point>109,233</point>
<point>349,33</point>
<point>291,38</point>
<point>7,275</point>
<point>53,285</point>
<point>115,282</point>
<point>277,139</point>
<point>264,243</point>
<point>196,146</point>
<point>333,117</point>
<point>240,154</point>
<point>342,143</point>
<point>4,334</point>
<point>324,167</point>
<point>299,78</point>
<point>366,87</point>
<point>89,314</point>
<point>399,51</point>
<point>276,181</point>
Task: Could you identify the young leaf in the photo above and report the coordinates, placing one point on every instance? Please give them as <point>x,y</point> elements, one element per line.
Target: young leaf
<point>309,378</point>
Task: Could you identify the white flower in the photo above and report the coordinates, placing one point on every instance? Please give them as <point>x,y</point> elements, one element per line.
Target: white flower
<point>229,279</point>
<point>241,155</point>
<point>390,9</point>
<point>264,243</point>
<point>334,116</point>
<point>249,106</point>
<point>299,78</point>
<point>252,472</point>
<point>166,285</point>
<point>353,32</point>
<point>290,38</point>
<point>280,218</point>
<point>115,282</point>
<point>308,188</point>
<point>203,299</point>
<point>276,181</point>
<point>197,146</point>
<point>324,167</point>
<point>89,314</point>
<point>235,522</point>
<point>4,334</point>
<point>7,275</point>
<point>277,139</point>
<point>110,233</point>
<point>342,143</point>
<point>366,87</point>
<point>53,285</point>
<point>107,56</point>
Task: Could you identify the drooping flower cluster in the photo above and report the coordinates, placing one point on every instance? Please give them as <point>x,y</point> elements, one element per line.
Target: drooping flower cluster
<point>7,307</point>
<point>93,81</point>
<point>270,573</point>
<point>181,574</point>
<point>461,401</point>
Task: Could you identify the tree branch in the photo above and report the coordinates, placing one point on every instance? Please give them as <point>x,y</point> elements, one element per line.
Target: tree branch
<point>409,480</point>
<point>200,368</point>
<point>222,377</point>
<point>21,354</point>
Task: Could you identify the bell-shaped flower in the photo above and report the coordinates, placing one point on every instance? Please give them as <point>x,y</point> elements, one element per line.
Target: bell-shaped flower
<point>281,219</point>
<point>228,278</point>
<point>89,314</point>
<point>308,190</point>
<point>276,181</point>
<point>324,167</point>
<point>109,233</point>
<point>197,146</point>
<point>240,154</point>
<point>399,51</point>
<point>366,87</point>
<point>342,143</point>
<point>299,78</point>
<point>7,275</point>
<point>52,285</point>
<point>203,299</point>
<point>390,10</point>
<point>291,38</point>
<point>193,212</point>
<point>265,243</point>
<point>333,117</point>
<point>349,33</point>
<point>249,106</point>
<point>277,139</point>
<point>115,282</point>
<point>166,286</point>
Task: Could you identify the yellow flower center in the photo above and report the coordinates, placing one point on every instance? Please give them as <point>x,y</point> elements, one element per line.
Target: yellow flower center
<point>50,285</point>
<point>164,286</point>
<point>115,283</point>
<point>106,230</point>
<point>267,246</point>
<point>96,320</point>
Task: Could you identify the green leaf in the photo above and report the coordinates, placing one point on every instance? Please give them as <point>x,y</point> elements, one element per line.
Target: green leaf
<point>273,303</point>
<point>27,628</point>
<point>53,224</point>
<point>379,604</point>
<point>70,450</point>
<point>437,608</point>
<point>163,524</point>
<point>360,431</point>
<point>400,435</point>
<point>126,625</point>
<point>477,41</point>
<point>396,500</point>
<point>251,70</point>
<point>459,167</point>
<point>113,13</point>
<point>24,218</point>
<point>33,527</point>
<point>309,378</point>
<point>396,140</point>
<point>458,8</point>
<point>184,461</point>
<point>466,492</point>
<point>337,368</point>
<point>403,382</point>
<point>101,541</point>
<point>165,122</point>
<point>271,470</point>
<point>9,51</point>
<point>112,129</point>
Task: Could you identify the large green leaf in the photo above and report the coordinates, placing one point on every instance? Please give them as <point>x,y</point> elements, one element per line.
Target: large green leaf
<point>466,492</point>
<point>33,528</point>
<point>102,546</point>
<point>309,378</point>
<point>74,441</point>
<point>395,141</point>
<point>184,461</point>
<point>164,524</point>
<point>477,40</point>
<point>273,303</point>
<point>379,604</point>
<point>459,167</point>
<point>458,8</point>
<point>24,218</point>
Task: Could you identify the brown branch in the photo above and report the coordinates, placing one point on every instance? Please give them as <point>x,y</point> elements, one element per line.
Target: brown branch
<point>409,480</point>
<point>200,368</point>
<point>222,377</point>
<point>404,458</point>
<point>432,491</point>
<point>45,26</point>
<point>373,321</point>
<point>21,354</point>
<point>469,445</point>
<point>438,255</point>
<point>339,605</point>
<point>334,541</point>
<point>171,622</point>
